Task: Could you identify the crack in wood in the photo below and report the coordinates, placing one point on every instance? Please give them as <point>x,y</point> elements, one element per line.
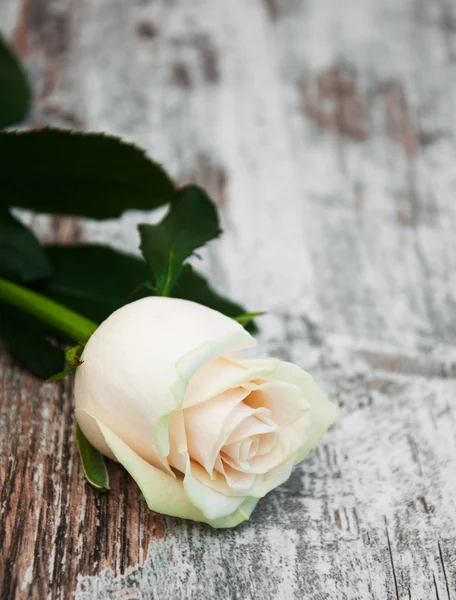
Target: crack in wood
<point>442,562</point>
<point>390,552</point>
<point>435,587</point>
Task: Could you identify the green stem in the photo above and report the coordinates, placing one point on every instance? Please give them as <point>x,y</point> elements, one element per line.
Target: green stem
<point>165,291</point>
<point>65,320</point>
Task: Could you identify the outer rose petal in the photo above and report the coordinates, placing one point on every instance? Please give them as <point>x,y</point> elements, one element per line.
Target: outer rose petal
<point>164,494</point>
<point>137,364</point>
<point>277,476</point>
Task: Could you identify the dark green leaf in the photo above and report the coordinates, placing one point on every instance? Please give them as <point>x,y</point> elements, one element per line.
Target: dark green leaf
<point>21,256</point>
<point>88,174</point>
<point>14,89</point>
<point>190,223</point>
<point>94,280</point>
<point>92,462</point>
<point>24,339</point>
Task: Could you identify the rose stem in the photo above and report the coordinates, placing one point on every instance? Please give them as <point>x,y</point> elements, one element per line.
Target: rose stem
<point>65,320</point>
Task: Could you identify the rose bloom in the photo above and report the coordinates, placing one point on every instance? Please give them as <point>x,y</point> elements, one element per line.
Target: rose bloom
<point>203,433</point>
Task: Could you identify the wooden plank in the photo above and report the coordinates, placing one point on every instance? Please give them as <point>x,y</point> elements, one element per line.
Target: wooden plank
<point>325,131</point>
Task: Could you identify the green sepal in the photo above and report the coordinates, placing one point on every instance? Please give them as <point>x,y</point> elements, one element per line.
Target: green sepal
<point>60,375</point>
<point>73,355</point>
<point>73,359</point>
<point>93,463</point>
<point>246,318</point>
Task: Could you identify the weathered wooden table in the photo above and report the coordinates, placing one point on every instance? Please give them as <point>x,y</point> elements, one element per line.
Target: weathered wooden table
<point>325,129</point>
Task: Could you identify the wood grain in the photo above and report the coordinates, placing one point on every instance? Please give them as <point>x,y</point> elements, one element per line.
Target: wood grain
<point>326,133</point>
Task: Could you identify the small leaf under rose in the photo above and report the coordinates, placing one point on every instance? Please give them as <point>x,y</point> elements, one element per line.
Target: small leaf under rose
<point>92,462</point>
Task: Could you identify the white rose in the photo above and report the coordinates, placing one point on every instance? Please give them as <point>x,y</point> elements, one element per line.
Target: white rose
<point>204,434</point>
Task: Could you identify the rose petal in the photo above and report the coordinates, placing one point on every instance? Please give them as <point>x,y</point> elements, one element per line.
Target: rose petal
<point>260,464</point>
<point>178,455</point>
<point>201,490</point>
<point>239,481</point>
<point>277,475</point>
<point>229,482</point>
<point>164,494</point>
<point>233,451</point>
<point>227,485</point>
<point>249,427</point>
<point>267,443</point>
<point>285,401</point>
<point>206,424</point>
<point>219,375</point>
<point>323,413</point>
<point>289,409</point>
<point>242,450</point>
<point>212,504</point>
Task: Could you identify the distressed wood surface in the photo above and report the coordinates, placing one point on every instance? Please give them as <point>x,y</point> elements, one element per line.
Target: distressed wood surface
<point>326,132</point>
